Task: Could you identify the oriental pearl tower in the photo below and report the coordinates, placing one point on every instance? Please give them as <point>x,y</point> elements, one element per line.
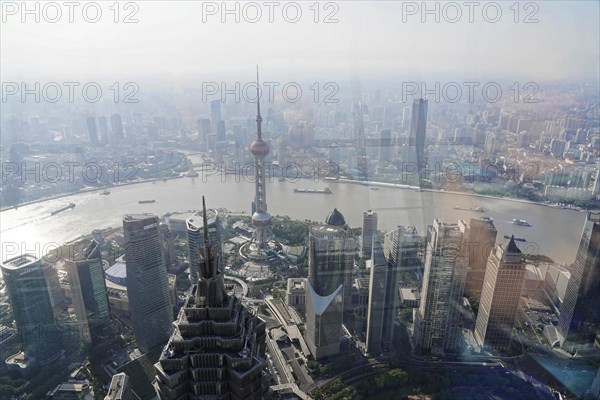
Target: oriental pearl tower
<point>261,219</point>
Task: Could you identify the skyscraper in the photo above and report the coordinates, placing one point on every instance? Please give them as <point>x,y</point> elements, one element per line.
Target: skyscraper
<point>217,350</point>
<point>437,323</point>
<point>116,126</point>
<point>195,236</point>
<point>103,125</point>
<point>31,307</point>
<point>215,113</point>
<point>580,311</point>
<point>401,248</point>
<point>500,296</point>
<point>261,219</point>
<point>418,127</point>
<point>381,310</point>
<point>368,232</point>
<point>331,251</point>
<point>92,130</point>
<point>385,145</point>
<point>479,242</point>
<point>147,286</point>
<point>88,291</point>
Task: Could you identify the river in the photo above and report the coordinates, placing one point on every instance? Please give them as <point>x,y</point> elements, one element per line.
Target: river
<point>555,232</point>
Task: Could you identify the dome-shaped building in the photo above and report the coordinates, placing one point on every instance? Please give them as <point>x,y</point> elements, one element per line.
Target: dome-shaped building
<point>335,218</point>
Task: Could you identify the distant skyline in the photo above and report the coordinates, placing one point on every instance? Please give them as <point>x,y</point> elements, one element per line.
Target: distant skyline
<point>172,43</point>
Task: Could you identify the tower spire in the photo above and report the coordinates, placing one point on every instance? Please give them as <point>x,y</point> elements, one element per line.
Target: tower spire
<point>206,239</point>
<point>258,117</point>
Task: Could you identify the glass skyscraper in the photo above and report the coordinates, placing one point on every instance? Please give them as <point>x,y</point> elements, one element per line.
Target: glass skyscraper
<point>147,285</point>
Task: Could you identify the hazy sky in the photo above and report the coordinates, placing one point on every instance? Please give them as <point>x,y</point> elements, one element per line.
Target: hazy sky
<point>370,40</point>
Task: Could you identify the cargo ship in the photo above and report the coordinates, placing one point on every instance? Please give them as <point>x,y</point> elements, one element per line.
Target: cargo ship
<point>476,209</point>
<point>71,205</point>
<point>104,193</point>
<point>146,201</point>
<point>318,191</point>
<point>521,222</point>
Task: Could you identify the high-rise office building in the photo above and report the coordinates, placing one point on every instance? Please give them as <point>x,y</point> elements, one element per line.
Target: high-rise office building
<point>418,127</point>
<point>261,219</point>
<point>558,148</point>
<point>479,241</point>
<point>331,252</point>
<point>381,309</point>
<point>385,145</point>
<point>368,232</point>
<point>92,130</point>
<point>437,322</point>
<point>217,350</point>
<point>195,237</point>
<point>116,126</point>
<point>499,304</point>
<point>215,114</point>
<point>147,286</point>
<point>103,125</point>
<point>401,248</point>
<point>580,311</point>
<point>221,131</point>
<point>203,130</point>
<point>119,388</point>
<point>31,308</point>
<point>88,292</point>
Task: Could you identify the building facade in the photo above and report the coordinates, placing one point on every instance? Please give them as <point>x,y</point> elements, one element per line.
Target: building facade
<point>478,245</point>
<point>437,321</point>
<point>331,251</point>
<point>418,127</point>
<point>88,292</point>
<point>147,285</point>
<point>580,311</point>
<point>500,297</point>
<point>368,232</point>
<point>32,311</point>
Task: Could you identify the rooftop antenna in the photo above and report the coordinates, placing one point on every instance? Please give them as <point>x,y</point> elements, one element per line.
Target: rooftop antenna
<point>258,117</point>
<point>206,238</point>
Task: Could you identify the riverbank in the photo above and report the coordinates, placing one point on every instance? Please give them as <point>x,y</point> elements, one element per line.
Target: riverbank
<point>84,191</point>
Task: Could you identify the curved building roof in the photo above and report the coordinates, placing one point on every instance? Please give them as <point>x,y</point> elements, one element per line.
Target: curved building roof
<point>335,218</point>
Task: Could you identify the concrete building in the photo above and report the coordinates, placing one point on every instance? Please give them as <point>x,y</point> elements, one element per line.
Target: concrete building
<point>88,292</point>
<point>580,313</point>
<point>217,349</point>
<point>295,293</point>
<point>409,297</point>
<point>119,388</point>
<point>437,321</point>
<point>500,297</point>
<point>368,232</point>
<point>147,285</point>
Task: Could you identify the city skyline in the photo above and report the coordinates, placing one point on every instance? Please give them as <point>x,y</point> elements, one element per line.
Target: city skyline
<point>432,176</point>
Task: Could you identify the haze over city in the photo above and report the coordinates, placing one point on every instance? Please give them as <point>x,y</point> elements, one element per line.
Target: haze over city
<point>300,200</point>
